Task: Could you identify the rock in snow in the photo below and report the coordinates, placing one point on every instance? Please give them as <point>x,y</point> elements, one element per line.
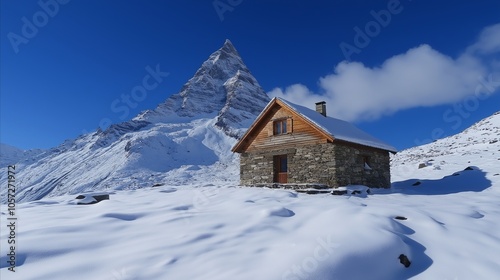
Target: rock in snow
<point>191,133</point>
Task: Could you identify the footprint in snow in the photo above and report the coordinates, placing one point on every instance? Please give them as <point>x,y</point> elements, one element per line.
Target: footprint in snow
<point>476,215</point>
<point>123,217</point>
<point>202,237</point>
<point>279,212</point>
<point>182,207</point>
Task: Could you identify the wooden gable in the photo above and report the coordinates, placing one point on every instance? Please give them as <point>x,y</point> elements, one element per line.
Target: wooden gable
<point>262,135</point>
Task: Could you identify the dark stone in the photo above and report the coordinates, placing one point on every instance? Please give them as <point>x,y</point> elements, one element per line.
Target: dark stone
<point>468,168</point>
<point>319,187</point>
<point>496,174</point>
<point>455,174</point>
<point>97,198</point>
<point>339,192</point>
<point>404,260</point>
<point>416,183</point>
<point>101,197</point>
<point>401,218</point>
<point>368,191</point>
<point>422,165</point>
<point>309,191</point>
<point>157,185</point>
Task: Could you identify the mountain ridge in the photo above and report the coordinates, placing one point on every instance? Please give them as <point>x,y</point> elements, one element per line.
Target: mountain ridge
<point>189,134</point>
<point>10,155</point>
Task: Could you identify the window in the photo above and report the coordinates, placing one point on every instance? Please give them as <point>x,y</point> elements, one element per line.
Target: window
<point>366,163</point>
<point>280,127</point>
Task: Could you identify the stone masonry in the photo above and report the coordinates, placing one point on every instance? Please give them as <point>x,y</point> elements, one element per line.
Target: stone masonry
<point>350,169</point>
<point>328,163</point>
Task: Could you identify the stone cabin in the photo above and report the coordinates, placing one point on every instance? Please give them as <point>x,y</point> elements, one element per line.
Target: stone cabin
<point>289,143</point>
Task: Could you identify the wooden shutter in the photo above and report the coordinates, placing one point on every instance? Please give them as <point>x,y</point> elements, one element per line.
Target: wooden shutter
<point>289,125</point>
<point>270,129</point>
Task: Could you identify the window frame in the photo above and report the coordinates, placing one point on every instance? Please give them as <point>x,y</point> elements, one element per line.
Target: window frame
<point>280,127</point>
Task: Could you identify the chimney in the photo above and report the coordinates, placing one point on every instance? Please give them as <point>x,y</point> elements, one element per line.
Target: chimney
<point>321,108</point>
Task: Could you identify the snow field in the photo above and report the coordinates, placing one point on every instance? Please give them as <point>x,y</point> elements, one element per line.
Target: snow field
<point>227,232</point>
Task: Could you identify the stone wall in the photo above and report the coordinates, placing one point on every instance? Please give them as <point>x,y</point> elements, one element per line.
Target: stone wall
<point>330,164</point>
<point>313,164</point>
<point>258,167</point>
<point>350,169</point>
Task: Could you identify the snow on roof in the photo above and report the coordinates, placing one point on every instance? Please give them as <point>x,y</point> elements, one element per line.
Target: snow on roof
<point>339,129</point>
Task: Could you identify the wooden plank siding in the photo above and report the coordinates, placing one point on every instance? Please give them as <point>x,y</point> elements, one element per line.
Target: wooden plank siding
<point>299,132</point>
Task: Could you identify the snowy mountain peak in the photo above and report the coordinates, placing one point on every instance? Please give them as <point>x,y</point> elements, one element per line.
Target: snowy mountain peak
<point>187,138</point>
<point>222,81</point>
<point>229,49</point>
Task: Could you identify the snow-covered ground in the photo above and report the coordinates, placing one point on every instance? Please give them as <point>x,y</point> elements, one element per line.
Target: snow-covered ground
<point>222,231</point>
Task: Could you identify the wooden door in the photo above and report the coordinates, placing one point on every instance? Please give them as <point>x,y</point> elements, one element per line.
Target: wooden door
<point>281,169</point>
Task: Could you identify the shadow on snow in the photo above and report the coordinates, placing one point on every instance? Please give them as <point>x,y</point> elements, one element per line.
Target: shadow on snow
<point>472,179</point>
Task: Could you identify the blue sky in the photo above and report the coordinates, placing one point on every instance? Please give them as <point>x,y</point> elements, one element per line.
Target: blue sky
<point>406,71</point>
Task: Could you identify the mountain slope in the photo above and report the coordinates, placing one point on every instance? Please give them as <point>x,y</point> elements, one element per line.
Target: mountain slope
<point>11,155</point>
<point>478,145</point>
<point>187,138</point>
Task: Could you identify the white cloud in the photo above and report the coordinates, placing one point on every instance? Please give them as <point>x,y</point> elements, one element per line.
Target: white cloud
<point>297,93</point>
<point>420,77</point>
<point>488,41</point>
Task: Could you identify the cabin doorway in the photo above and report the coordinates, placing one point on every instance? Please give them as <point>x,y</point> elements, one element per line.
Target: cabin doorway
<point>281,169</point>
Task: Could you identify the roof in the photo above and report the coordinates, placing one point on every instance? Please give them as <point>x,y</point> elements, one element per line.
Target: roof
<point>335,128</point>
<point>339,129</point>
